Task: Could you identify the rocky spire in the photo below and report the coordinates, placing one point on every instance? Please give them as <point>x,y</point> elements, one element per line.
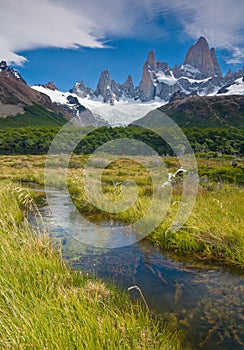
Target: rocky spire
<point>217,70</point>
<point>129,82</point>
<point>146,86</point>
<point>202,58</point>
<point>104,84</point>
<point>151,61</point>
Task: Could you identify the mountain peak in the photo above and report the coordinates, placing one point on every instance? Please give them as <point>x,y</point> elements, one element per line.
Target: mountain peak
<point>128,82</point>
<point>10,72</point>
<point>50,85</point>
<point>104,86</point>
<point>200,74</point>
<point>202,40</point>
<point>151,61</point>
<point>200,57</point>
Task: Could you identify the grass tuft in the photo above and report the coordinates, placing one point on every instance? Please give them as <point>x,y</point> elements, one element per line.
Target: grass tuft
<point>45,305</point>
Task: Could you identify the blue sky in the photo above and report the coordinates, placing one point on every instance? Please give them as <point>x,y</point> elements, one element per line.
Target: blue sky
<point>73,40</point>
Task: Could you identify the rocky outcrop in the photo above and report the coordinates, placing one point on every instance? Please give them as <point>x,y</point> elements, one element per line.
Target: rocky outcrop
<point>111,91</point>
<point>199,75</point>
<point>128,87</point>
<point>107,90</point>
<point>10,72</point>
<point>50,85</point>
<point>81,116</point>
<point>200,57</point>
<point>104,85</point>
<point>147,86</point>
<point>81,90</point>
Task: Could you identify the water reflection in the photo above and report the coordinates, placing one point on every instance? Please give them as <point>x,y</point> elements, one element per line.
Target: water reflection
<point>206,303</point>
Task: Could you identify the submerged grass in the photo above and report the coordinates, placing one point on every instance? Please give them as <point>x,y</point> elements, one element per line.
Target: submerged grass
<point>45,305</point>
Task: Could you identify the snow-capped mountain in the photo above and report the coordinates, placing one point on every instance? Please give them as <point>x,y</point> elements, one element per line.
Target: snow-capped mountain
<point>122,112</point>
<point>16,96</point>
<point>236,88</point>
<point>199,74</point>
<point>121,104</point>
<point>10,71</point>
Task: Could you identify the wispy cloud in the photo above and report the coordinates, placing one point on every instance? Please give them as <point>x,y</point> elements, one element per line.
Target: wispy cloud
<point>221,22</point>
<point>236,56</point>
<point>28,24</point>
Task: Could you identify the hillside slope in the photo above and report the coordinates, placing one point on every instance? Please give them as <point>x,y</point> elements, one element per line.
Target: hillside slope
<point>202,111</point>
<point>34,115</point>
<point>20,105</point>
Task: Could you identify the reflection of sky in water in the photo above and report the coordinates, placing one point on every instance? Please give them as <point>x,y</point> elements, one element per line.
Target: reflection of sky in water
<point>73,224</point>
<point>207,303</point>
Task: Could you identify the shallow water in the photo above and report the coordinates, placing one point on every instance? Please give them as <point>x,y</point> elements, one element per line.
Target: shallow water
<point>206,303</point>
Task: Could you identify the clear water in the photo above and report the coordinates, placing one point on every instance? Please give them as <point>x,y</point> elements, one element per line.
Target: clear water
<point>205,303</point>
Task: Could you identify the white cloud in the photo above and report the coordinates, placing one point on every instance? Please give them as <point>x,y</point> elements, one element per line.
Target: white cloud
<point>236,57</point>
<point>28,24</point>
<point>221,22</point>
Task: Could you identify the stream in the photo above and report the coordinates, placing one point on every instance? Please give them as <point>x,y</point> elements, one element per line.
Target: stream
<point>204,302</point>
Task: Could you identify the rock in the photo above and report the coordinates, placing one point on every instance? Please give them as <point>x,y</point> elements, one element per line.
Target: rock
<point>3,66</point>
<point>104,86</point>
<point>146,86</point>
<point>128,84</point>
<point>10,72</point>
<point>81,90</point>
<point>200,57</point>
<point>50,85</point>
<point>199,75</point>
<point>151,61</point>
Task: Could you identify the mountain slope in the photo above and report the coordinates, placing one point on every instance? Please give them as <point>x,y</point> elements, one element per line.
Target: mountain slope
<point>34,115</point>
<point>121,113</point>
<point>15,91</point>
<point>27,106</point>
<point>201,111</point>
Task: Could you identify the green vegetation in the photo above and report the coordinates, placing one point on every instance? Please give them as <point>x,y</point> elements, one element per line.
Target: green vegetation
<point>36,140</point>
<point>35,115</point>
<point>205,111</point>
<point>45,305</point>
<point>214,229</point>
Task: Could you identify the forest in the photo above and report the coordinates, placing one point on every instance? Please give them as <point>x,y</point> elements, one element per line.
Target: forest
<point>37,139</point>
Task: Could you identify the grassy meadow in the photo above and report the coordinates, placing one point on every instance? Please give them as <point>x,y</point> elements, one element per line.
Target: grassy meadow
<point>215,228</point>
<point>46,305</point>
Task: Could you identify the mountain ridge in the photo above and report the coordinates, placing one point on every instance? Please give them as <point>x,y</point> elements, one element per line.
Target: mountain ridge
<point>199,111</point>
<point>199,74</point>
<point>16,97</point>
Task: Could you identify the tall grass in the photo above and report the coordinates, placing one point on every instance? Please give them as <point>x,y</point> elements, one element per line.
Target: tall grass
<point>214,229</point>
<point>45,305</point>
